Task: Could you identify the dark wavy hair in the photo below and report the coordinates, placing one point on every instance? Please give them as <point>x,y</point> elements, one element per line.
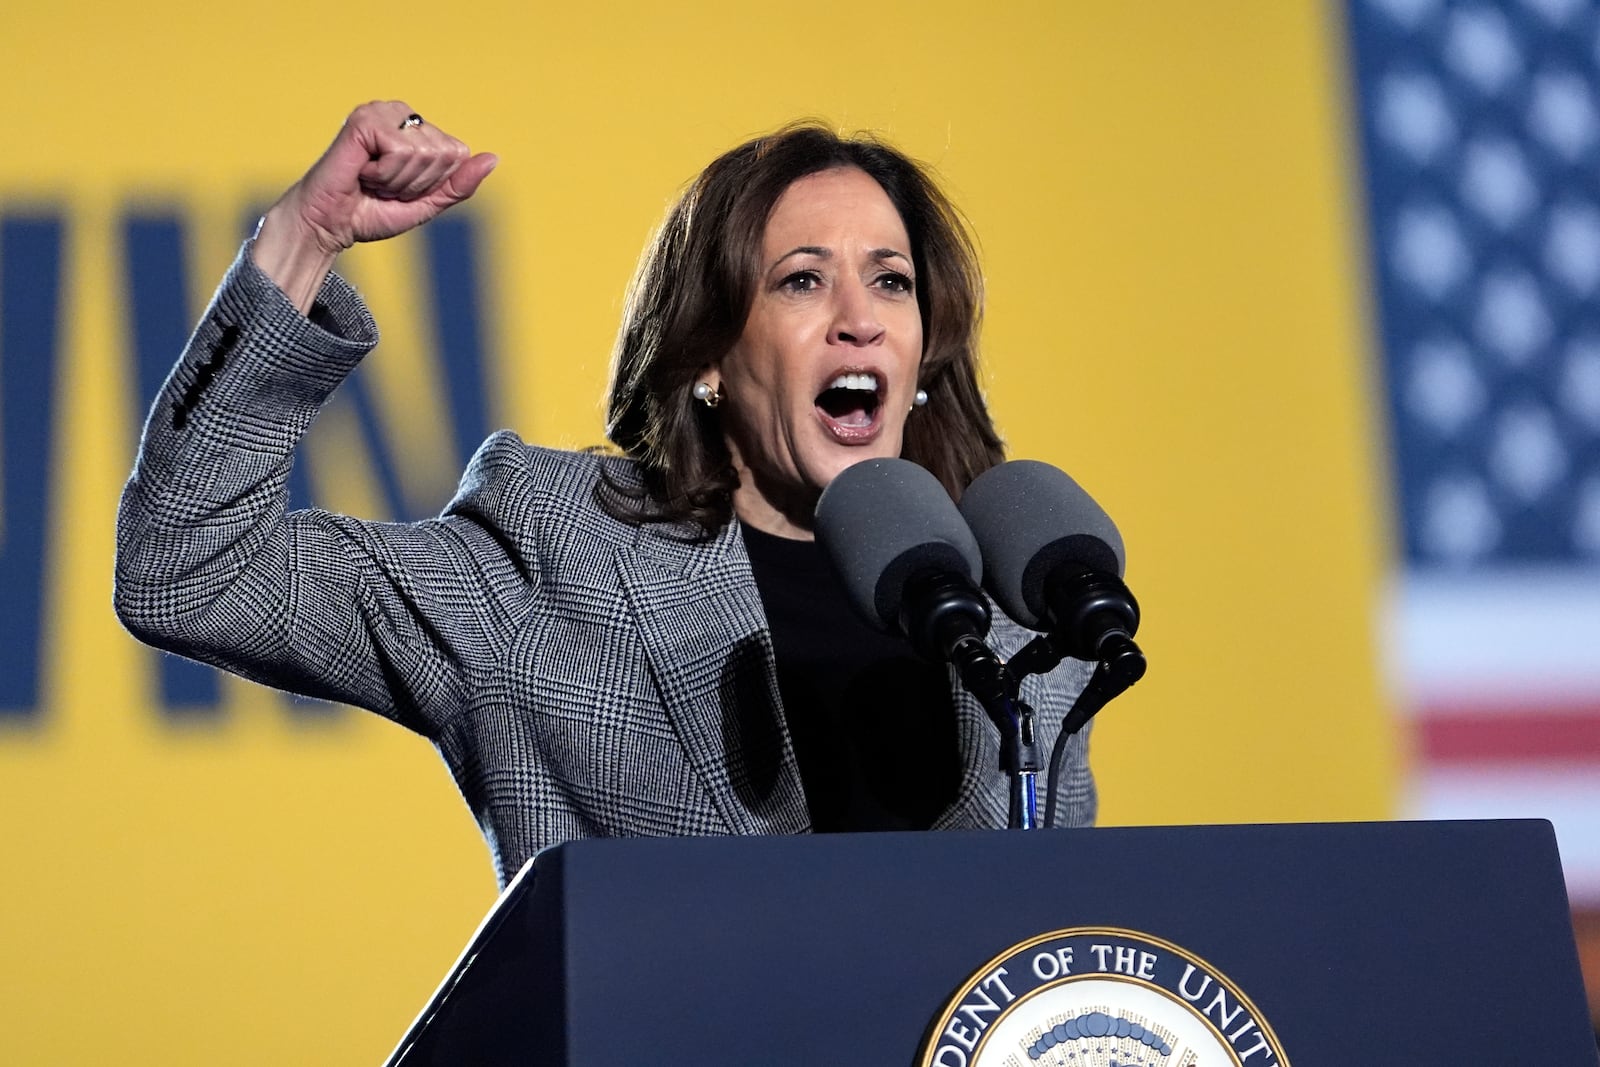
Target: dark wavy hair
<point>694,288</point>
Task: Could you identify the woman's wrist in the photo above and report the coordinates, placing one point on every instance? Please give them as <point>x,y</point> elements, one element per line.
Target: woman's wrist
<point>292,257</point>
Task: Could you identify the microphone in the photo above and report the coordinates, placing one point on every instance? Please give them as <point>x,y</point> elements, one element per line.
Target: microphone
<point>910,565</point>
<point>1054,558</point>
<point>1055,564</point>
<point>908,561</point>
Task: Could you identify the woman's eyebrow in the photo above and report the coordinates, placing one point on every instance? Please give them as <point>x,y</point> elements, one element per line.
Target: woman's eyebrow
<point>805,250</point>
<point>827,253</point>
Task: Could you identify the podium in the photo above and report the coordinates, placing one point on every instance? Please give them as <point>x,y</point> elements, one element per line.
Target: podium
<point>1352,943</point>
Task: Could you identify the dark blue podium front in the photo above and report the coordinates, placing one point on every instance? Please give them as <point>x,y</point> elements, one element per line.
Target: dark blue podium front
<point>1361,943</point>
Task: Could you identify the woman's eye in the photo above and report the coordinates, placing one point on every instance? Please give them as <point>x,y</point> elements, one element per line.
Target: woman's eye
<point>801,281</point>
<point>898,283</point>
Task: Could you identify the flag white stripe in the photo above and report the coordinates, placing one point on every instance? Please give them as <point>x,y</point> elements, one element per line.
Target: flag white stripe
<point>1495,640</point>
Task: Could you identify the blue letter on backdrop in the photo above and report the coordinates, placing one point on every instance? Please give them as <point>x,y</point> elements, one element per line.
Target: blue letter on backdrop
<point>30,337</point>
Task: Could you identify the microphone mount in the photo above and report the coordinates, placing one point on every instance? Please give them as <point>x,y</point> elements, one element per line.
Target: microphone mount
<point>1093,617</point>
<point>947,618</point>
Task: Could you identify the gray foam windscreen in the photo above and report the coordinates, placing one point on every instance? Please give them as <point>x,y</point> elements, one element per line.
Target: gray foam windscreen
<point>883,520</point>
<point>1030,517</point>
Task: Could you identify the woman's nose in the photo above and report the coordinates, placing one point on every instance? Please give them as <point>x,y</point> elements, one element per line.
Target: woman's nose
<point>855,317</point>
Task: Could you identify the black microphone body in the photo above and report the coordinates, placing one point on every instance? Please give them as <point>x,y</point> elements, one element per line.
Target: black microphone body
<point>1092,611</point>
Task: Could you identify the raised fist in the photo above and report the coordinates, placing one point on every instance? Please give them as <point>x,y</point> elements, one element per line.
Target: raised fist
<point>387,171</point>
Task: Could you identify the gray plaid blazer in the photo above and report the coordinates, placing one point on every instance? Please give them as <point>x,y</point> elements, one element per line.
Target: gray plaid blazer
<point>580,676</point>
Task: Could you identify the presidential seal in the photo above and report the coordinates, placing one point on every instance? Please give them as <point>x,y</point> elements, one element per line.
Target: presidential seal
<point>1099,997</point>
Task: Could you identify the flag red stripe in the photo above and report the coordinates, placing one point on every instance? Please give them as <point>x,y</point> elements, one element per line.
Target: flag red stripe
<point>1564,736</point>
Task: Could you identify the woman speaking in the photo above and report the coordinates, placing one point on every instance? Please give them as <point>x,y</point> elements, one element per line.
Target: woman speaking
<point>643,642</point>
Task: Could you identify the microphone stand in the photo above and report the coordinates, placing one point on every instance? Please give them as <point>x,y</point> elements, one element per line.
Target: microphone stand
<point>986,677</point>
<point>1095,618</point>
<point>1118,664</point>
<point>946,617</point>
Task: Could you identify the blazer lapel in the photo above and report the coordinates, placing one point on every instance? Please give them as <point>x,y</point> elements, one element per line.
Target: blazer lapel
<point>704,632</point>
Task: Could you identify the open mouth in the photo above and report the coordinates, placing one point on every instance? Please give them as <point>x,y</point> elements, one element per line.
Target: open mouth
<point>850,403</point>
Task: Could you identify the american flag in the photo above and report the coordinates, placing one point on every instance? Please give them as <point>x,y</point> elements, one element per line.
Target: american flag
<point>1480,135</point>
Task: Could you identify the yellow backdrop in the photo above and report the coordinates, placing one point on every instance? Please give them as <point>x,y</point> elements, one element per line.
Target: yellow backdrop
<point>1174,316</point>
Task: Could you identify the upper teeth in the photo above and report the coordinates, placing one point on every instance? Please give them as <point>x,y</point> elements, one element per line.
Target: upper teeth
<point>865,382</point>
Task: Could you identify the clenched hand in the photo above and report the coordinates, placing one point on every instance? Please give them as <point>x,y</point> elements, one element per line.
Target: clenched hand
<point>384,174</point>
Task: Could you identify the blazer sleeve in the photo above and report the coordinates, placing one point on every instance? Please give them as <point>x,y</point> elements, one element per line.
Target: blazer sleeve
<point>393,617</point>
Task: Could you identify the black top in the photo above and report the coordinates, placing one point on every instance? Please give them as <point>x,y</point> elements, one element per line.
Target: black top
<point>873,727</point>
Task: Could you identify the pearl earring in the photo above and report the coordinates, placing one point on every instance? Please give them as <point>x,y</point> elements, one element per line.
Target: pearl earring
<point>920,399</point>
<point>707,395</point>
